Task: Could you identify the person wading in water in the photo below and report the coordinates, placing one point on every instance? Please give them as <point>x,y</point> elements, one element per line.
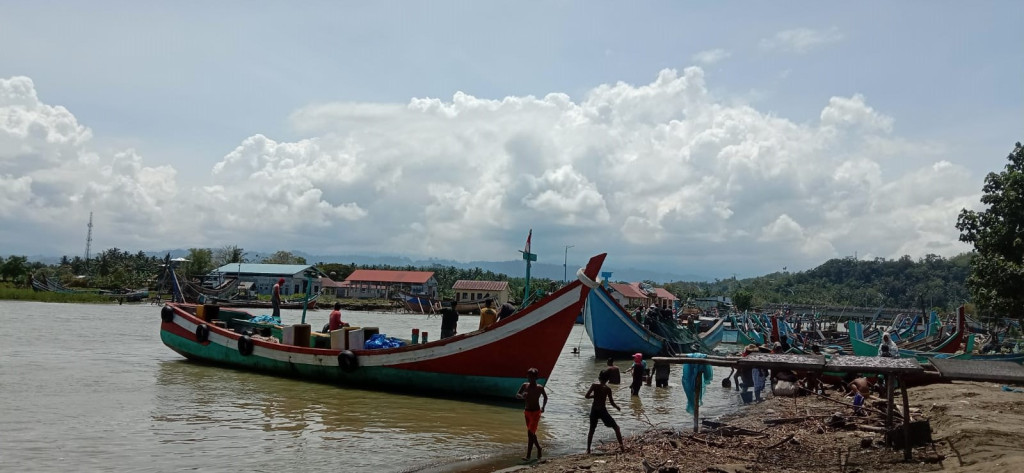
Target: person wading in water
<point>531,392</point>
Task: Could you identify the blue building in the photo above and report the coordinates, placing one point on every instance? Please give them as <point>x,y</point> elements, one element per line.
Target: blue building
<point>264,276</point>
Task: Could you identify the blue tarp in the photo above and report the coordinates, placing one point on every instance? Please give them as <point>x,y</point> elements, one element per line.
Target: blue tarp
<point>379,340</point>
<point>265,319</point>
<point>690,380</point>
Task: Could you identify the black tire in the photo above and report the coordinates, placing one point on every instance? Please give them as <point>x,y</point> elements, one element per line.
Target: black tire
<point>348,361</point>
<point>167,314</point>
<point>202,333</point>
<point>245,345</point>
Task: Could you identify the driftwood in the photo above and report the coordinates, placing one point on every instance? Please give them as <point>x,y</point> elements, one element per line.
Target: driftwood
<point>695,439</point>
<point>847,404</point>
<point>792,420</point>
<point>871,428</point>
<point>727,430</point>
<point>780,442</point>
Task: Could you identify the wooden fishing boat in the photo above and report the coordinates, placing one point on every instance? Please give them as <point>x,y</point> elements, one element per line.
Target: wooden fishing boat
<point>714,331</point>
<point>487,363</point>
<point>615,334</point>
<point>474,306</point>
<point>257,304</point>
<point>946,348</point>
<point>419,303</point>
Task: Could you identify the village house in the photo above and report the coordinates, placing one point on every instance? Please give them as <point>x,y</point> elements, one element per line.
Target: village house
<point>260,278</point>
<point>634,294</point>
<point>466,291</point>
<point>383,284</point>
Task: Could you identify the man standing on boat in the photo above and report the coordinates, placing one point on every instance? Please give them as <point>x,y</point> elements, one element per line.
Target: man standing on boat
<point>507,309</point>
<point>275,299</point>
<point>449,319</point>
<point>488,315</point>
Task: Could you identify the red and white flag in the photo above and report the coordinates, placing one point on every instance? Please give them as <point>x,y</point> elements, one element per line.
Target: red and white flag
<point>528,237</point>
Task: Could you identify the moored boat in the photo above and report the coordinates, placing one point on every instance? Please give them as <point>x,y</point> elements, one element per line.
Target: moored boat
<point>487,363</point>
<point>615,334</point>
<point>258,304</point>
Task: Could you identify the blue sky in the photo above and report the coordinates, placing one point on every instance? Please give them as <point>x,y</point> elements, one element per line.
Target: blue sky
<point>806,131</point>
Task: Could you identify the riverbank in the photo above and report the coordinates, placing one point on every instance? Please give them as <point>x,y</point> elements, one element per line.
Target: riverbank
<point>10,293</point>
<point>976,427</point>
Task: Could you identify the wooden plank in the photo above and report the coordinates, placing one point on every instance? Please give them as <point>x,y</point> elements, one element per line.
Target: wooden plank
<point>907,454</point>
<point>890,385</point>
<point>976,370</point>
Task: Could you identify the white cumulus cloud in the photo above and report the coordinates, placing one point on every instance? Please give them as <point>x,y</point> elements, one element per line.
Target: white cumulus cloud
<point>711,56</point>
<point>661,173</point>
<point>801,40</point>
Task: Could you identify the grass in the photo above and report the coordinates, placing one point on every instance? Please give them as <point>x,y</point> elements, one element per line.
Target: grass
<point>7,292</point>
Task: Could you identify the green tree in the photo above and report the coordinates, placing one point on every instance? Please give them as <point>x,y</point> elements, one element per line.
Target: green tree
<point>228,254</point>
<point>996,279</point>
<point>284,257</point>
<point>14,268</point>
<point>200,262</point>
<point>743,300</point>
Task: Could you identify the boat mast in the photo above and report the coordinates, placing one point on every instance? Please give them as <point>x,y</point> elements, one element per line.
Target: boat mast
<point>529,257</point>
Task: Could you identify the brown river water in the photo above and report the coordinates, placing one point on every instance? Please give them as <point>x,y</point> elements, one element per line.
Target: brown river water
<point>88,387</point>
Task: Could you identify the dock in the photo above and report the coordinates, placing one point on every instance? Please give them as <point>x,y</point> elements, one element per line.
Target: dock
<point>891,368</point>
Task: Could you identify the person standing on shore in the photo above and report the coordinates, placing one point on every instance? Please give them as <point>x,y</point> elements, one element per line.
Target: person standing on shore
<point>275,299</point>
<point>599,392</point>
<point>532,392</point>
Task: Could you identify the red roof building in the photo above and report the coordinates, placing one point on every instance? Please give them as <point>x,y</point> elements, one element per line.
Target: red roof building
<point>466,290</point>
<point>632,295</point>
<point>366,283</point>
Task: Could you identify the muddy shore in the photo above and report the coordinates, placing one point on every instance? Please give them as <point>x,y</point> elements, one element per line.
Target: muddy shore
<point>976,427</point>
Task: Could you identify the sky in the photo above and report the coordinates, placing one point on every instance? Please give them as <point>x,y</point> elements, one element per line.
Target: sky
<point>713,138</point>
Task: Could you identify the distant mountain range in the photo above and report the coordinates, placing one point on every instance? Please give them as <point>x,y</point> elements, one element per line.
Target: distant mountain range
<point>510,268</point>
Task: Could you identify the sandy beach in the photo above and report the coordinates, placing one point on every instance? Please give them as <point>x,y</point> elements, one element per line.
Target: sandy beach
<point>976,427</point>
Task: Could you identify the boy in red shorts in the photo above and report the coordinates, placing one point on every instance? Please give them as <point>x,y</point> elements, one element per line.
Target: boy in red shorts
<point>531,392</point>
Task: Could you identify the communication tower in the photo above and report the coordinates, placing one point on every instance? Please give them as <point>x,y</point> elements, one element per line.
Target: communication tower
<point>88,239</point>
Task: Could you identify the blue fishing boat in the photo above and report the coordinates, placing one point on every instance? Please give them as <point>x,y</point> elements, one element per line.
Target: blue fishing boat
<point>615,334</point>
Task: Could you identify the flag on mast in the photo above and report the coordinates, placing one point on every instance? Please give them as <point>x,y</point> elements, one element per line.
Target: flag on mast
<point>528,237</point>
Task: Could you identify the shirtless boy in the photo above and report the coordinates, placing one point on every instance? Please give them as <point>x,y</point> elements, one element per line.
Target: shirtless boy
<point>599,392</point>
<point>531,392</point>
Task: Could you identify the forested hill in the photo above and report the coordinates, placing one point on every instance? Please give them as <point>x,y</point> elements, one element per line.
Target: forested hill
<point>932,281</point>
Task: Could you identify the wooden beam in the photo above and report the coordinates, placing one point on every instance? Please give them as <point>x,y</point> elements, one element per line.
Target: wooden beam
<point>907,454</point>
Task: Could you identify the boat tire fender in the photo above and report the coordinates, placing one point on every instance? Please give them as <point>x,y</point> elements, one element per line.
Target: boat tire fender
<point>245,345</point>
<point>202,333</point>
<point>167,314</point>
<point>348,361</point>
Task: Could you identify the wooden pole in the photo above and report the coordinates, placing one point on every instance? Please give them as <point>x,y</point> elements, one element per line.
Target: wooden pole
<point>889,389</point>
<point>907,454</point>
<point>697,385</point>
